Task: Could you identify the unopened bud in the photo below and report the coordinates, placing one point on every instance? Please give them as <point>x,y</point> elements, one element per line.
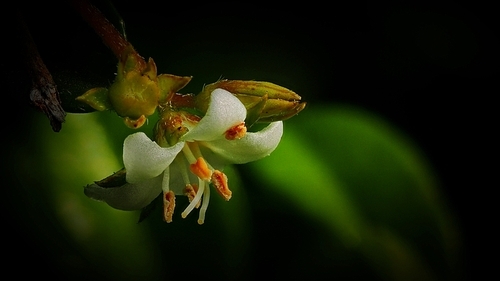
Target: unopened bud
<point>254,88</point>
<point>136,91</point>
<point>134,94</point>
<point>264,101</point>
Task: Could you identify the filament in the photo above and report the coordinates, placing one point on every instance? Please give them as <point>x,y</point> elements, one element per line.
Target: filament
<point>188,153</point>
<point>204,206</point>
<point>196,199</point>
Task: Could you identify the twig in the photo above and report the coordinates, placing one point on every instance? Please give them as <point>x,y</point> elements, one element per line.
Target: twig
<point>108,33</point>
<point>43,93</point>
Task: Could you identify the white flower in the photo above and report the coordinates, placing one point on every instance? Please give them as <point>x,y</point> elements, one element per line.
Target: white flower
<point>189,166</point>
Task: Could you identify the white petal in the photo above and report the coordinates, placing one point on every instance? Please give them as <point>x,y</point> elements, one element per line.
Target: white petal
<point>224,112</point>
<point>145,159</point>
<point>129,196</point>
<point>252,147</point>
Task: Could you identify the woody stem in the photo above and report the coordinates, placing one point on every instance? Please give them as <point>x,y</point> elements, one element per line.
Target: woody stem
<point>43,94</point>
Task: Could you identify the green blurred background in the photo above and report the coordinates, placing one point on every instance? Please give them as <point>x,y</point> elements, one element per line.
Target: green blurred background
<point>371,181</point>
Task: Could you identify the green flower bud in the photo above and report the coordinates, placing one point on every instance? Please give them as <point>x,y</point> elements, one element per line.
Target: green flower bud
<point>137,90</point>
<point>264,101</point>
<point>134,94</point>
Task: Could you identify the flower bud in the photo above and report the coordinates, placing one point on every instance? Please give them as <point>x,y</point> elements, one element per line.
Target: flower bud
<point>264,101</point>
<point>137,90</point>
<point>134,94</point>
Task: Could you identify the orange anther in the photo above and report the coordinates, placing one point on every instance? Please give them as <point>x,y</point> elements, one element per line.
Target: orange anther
<point>219,180</point>
<point>168,205</point>
<point>236,132</point>
<point>200,169</point>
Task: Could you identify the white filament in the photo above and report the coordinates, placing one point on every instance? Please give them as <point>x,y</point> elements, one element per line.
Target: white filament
<point>188,153</point>
<point>204,206</point>
<point>165,184</point>
<point>196,199</point>
<point>181,162</point>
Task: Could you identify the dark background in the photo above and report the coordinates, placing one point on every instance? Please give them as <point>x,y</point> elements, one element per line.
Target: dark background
<point>430,69</point>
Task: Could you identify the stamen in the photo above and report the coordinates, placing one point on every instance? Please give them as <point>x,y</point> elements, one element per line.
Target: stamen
<point>190,191</point>
<point>196,199</point>
<point>219,180</point>
<point>181,162</point>
<point>168,205</point>
<point>200,169</point>
<point>189,155</point>
<point>195,148</point>
<point>204,206</point>
<point>165,183</point>
<point>236,132</point>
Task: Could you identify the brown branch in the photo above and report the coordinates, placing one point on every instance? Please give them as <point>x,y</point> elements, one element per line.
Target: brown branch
<point>108,33</point>
<point>43,93</point>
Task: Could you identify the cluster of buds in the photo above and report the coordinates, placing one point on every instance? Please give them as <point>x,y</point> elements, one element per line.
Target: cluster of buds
<point>138,91</point>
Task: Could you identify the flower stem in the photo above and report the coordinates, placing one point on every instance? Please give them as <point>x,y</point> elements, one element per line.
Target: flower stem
<point>108,33</point>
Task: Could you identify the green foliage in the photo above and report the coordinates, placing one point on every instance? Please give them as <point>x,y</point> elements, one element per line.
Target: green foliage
<point>342,169</point>
<point>370,186</point>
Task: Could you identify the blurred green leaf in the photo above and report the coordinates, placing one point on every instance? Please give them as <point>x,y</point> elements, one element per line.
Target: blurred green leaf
<point>370,186</point>
<point>111,241</point>
<point>108,238</point>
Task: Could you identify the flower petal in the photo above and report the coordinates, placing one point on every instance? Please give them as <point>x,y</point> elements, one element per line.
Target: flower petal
<point>127,197</point>
<point>224,112</point>
<point>145,159</point>
<point>252,147</point>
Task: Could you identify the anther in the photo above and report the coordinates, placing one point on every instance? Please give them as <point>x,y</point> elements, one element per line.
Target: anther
<point>200,169</point>
<point>219,180</point>
<point>168,205</point>
<point>236,132</point>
